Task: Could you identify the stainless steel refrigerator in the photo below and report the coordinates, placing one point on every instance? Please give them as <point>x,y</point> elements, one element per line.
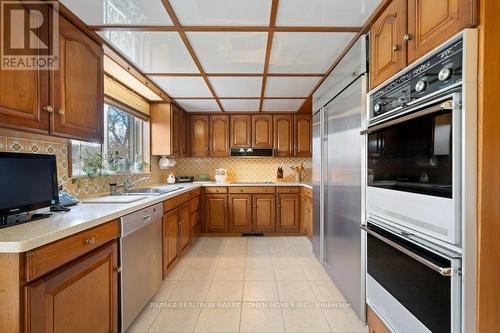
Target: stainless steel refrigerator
<point>339,175</point>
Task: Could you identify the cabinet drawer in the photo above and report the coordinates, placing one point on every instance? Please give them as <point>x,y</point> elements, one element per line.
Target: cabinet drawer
<point>307,192</point>
<point>215,189</point>
<point>252,189</point>
<point>45,259</point>
<point>175,202</point>
<point>194,205</point>
<point>288,189</point>
<point>195,193</point>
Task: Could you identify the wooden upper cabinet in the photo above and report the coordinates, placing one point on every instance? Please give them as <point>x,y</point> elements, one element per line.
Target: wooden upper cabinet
<point>303,135</point>
<point>219,136</point>
<point>432,22</point>
<point>264,213</point>
<point>241,131</point>
<point>388,51</point>
<point>199,142</point>
<point>79,297</point>
<point>215,213</point>
<point>162,129</point>
<point>240,212</point>
<point>288,213</point>
<point>78,86</point>
<point>283,135</point>
<point>183,146</point>
<point>176,131</point>
<point>262,131</point>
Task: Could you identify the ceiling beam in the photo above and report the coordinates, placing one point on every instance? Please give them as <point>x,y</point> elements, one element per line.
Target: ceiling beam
<point>190,49</point>
<point>222,28</point>
<point>236,74</point>
<point>234,97</point>
<point>270,36</point>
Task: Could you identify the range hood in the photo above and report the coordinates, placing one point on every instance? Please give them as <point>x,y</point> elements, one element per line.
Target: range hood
<point>251,152</point>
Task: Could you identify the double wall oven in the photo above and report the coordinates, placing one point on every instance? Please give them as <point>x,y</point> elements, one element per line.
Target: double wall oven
<point>417,177</point>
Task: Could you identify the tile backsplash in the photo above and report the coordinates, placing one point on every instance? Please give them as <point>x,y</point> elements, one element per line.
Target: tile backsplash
<point>239,169</point>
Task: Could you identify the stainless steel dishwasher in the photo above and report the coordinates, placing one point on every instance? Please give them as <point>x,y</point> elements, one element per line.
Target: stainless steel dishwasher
<point>140,261</point>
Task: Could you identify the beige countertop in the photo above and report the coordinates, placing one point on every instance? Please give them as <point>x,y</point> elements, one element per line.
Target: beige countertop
<point>27,236</point>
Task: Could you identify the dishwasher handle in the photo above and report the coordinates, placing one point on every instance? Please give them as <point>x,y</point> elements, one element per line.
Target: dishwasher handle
<point>147,219</point>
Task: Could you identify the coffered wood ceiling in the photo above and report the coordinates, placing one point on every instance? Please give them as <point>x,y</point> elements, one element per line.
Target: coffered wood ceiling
<point>230,55</point>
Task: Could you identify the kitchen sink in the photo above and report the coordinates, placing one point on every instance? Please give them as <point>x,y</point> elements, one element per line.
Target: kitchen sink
<point>151,191</point>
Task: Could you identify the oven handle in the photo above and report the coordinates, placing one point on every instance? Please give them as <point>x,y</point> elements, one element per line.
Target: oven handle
<point>445,271</point>
<point>446,105</point>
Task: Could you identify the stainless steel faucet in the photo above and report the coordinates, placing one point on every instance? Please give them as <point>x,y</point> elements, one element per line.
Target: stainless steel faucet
<point>127,185</point>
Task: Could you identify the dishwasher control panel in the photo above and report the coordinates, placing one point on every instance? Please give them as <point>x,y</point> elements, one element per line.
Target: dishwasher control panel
<point>137,220</point>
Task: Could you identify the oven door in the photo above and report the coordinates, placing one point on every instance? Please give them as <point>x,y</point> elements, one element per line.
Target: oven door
<point>414,170</point>
<point>414,289</point>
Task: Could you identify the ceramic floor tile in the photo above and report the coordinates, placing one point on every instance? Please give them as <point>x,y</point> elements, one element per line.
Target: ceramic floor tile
<point>219,320</point>
<point>344,320</point>
<point>259,273</point>
<point>302,250</point>
<point>281,249</point>
<point>326,291</point>
<point>235,249</point>
<point>232,260</point>
<point>307,260</point>
<point>225,291</point>
<point>289,273</point>
<point>176,273</point>
<point>305,320</point>
<point>259,260</point>
<point>316,273</point>
<point>144,320</point>
<point>166,289</point>
<point>200,273</point>
<point>284,260</point>
<point>261,320</point>
<point>175,320</point>
<point>190,291</point>
<point>258,249</point>
<point>230,273</point>
<point>205,260</point>
<point>260,291</point>
<point>295,291</point>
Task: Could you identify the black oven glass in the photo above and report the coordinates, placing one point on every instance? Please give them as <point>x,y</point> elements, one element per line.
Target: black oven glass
<point>422,291</point>
<point>413,156</point>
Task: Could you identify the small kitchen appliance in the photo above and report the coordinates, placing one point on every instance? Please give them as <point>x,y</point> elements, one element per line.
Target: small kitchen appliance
<point>221,175</point>
<point>184,179</point>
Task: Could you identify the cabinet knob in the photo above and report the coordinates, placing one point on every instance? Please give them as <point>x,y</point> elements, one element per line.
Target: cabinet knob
<point>407,37</point>
<point>60,111</point>
<point>48,109</point>
<point>396,48</point>
<point>90,241</point>
<point>117,270</point>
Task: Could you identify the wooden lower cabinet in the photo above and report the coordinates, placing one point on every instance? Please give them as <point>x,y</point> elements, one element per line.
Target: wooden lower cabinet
<point>184,226</point>
<point>215,207</point>
<point>264,213</point>
<point>80,297</point>
<point>375,325</point>
<point>288,208</point>
<point>170,239</point>
<point>240,212</point>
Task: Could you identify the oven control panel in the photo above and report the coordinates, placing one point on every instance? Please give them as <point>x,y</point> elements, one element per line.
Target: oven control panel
<point>432,74</point>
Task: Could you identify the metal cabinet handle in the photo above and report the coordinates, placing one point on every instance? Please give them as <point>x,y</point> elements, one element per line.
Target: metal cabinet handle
<point>48,109</point>
<point>117,270</point>
<point>396,48</point>
<point>407,37</point>
<point>60,111</point>
<point>90,241</point>
<point>445,271</point>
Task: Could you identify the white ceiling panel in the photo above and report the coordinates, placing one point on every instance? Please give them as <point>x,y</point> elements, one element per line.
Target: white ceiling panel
<point>306,52</point>
<point>222,12</point>
<point>198,105</point>
<point>153,52</point>
<point>230,52</point>
<point>290,86</point>
<point>243,105</point>
<point>287,105</point>
<point>183,86</point>
<point>237,86</point>
<point>98,12</point>
<point>342,13</point>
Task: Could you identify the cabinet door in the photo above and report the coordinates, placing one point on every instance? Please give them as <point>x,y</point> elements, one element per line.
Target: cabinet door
<point>432,22</point>
<point>176,131</point>
<point>262,131</point>
<point>184,226</point>
<point>303,135</point>
<point>219,136</point>
<point>375,325</point>
<point>78,86</point>
<point>170,238</point>
<point>283,135</point>
<point>264,212</point>
<point>24,97</point>
<point>240,213</point>
<point>183,134</point>
<point>199,136</point>
<point>241,131</point>
<point>288,212</point>
<point>80,297</point>
<point>388,51</point>
<point>216,213</point>
<point>308,211</point>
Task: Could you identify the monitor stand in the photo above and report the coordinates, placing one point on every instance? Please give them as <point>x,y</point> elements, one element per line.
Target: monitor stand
<point>10,220</point>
